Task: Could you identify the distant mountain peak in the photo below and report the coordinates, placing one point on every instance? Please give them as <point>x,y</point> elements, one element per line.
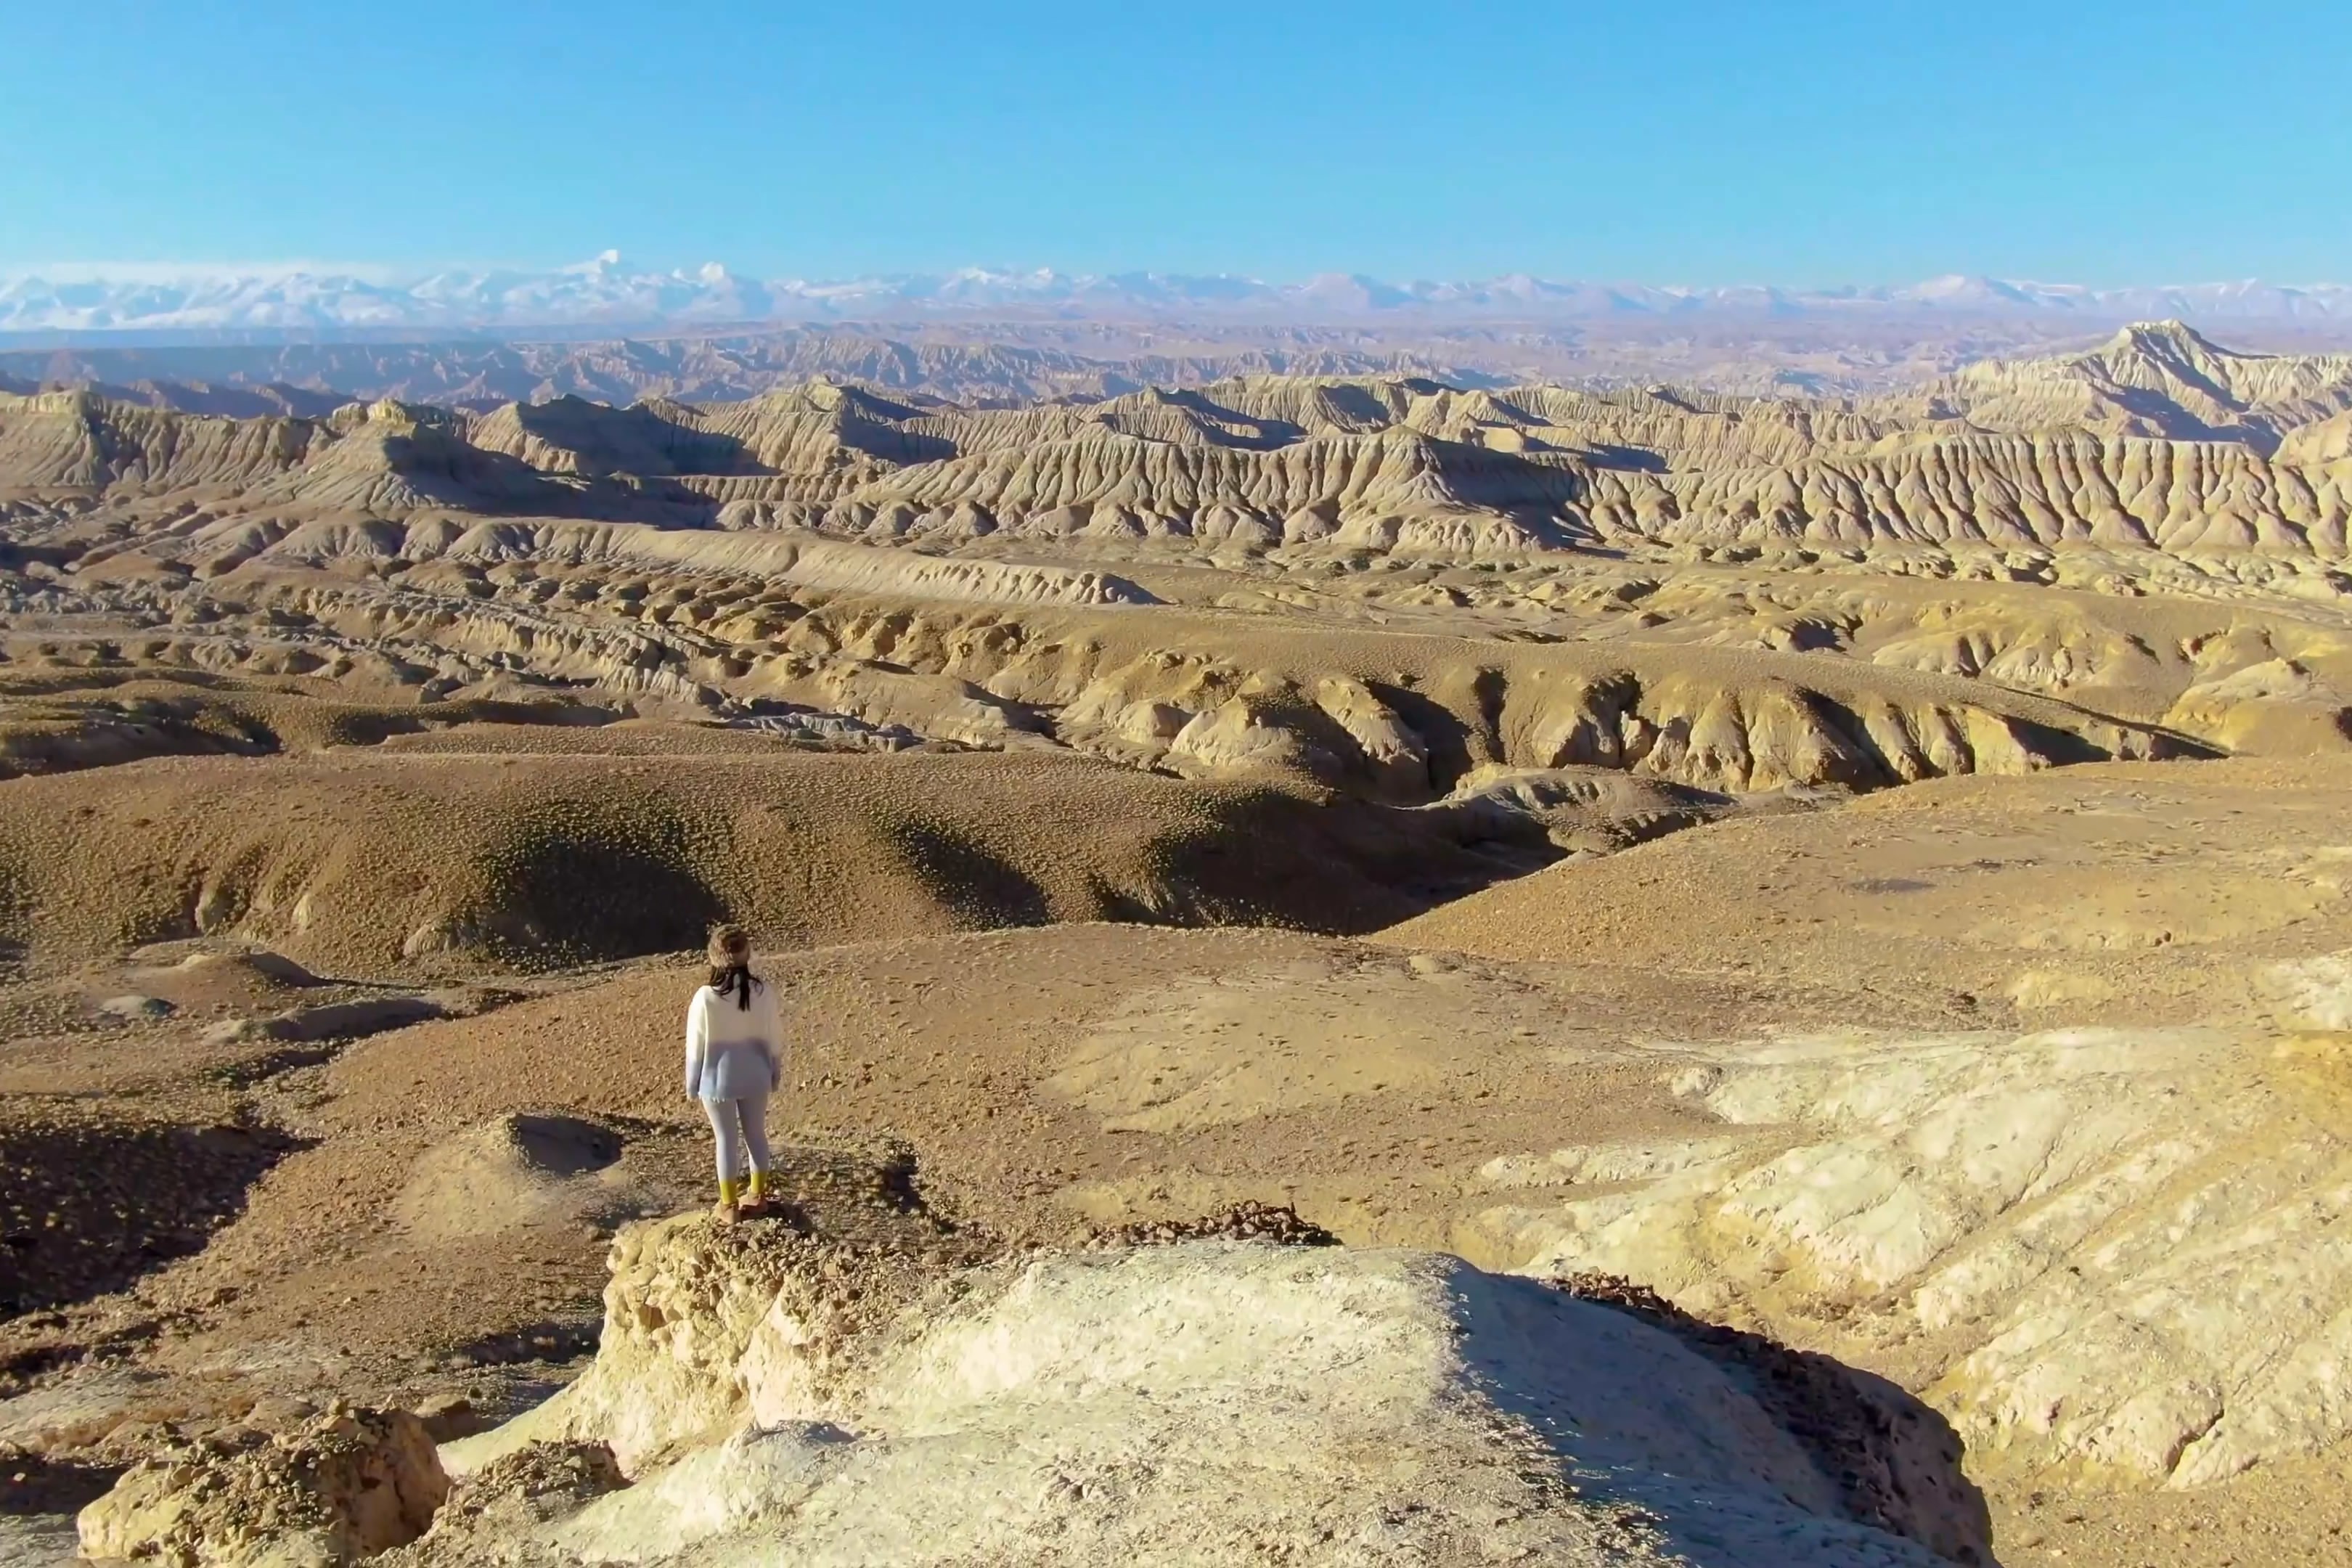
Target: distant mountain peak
<point>609,291</point>
<point>2170,330</point>
<point>2172,347</point>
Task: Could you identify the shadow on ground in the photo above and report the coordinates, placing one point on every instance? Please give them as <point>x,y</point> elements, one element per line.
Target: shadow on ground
<point>88,1204</point>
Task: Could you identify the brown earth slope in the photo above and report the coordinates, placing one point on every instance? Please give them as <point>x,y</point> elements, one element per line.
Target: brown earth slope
<point>365,862</point>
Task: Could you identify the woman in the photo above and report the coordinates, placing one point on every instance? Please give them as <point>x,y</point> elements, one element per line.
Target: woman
<point>734,1060</point>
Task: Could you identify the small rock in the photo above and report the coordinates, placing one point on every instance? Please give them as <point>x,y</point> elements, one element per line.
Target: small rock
<point>450,1417</point>
<point>1245,1221</point>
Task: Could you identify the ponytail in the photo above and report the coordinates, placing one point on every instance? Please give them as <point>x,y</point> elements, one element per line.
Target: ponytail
<point>736,980</point>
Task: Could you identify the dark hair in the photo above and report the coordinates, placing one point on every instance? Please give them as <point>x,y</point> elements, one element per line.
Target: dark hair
<point>731,965</point>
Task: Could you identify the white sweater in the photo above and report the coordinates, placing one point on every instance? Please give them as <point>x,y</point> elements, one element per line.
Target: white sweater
<point>733,1052</point>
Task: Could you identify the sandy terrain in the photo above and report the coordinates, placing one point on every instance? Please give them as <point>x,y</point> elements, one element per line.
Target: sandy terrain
<point>1846,898</point>
<point>1402,1094</point>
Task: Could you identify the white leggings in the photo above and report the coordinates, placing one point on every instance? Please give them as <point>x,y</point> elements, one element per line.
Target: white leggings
<point>741,1124</point>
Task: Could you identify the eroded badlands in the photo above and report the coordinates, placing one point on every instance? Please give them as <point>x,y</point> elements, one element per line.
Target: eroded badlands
<point>1796,945</point>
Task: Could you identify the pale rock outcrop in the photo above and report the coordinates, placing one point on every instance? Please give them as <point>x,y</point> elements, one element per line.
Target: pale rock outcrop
<point>2326,440</point>
<point>935,705</point>
<point>803,560</point>
<point>2123,1242</point>
<point>1579,807</point>
<point>2310,993</point>
<point>80,441</point>
<point>1201,1403</point>
<point>1708,724</point>
<point>1254,733</point>
<point>2277,706</point>
<point>1398,758</point>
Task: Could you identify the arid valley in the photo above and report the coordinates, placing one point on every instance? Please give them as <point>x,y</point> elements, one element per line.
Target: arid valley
<point>1381,966</point>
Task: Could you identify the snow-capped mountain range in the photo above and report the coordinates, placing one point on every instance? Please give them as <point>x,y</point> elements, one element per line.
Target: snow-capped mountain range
<point>608,293</point>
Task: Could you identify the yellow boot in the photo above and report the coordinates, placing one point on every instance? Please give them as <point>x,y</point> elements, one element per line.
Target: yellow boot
<point>756,1200</point>
<point>727,1197</point>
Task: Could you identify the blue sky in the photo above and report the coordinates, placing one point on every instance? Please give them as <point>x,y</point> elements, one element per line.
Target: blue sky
<point>1792,142</point>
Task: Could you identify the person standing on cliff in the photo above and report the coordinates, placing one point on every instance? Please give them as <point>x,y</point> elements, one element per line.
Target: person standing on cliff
<point>734,1061</point>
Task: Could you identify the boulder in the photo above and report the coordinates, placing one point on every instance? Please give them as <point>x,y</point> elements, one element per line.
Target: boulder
<point>347,1485</point>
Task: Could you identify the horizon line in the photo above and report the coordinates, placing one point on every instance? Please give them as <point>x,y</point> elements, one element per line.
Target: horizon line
<point>398,275</point>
